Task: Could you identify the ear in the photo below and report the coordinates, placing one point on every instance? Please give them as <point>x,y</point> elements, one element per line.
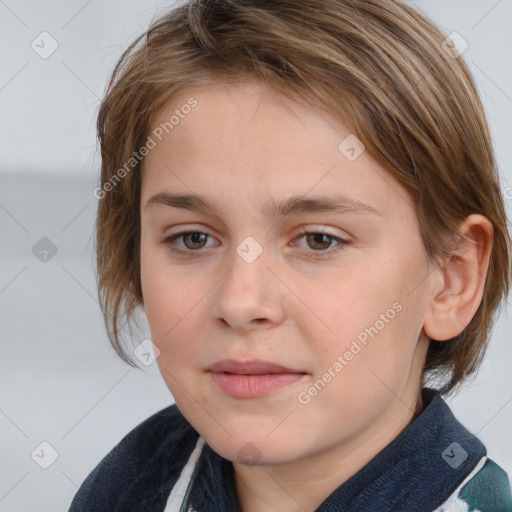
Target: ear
<point>459,291</point>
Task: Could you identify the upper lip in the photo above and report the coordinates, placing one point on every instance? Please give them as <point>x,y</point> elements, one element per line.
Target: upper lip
<point>250,367</point>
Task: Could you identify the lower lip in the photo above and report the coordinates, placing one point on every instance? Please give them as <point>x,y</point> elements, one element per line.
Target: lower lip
<point>253,386</point>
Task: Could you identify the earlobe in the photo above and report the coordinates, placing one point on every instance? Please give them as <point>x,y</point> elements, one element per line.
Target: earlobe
<point>461,280</point>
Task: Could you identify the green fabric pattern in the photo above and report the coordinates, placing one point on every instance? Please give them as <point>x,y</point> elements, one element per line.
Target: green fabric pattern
<point>488,490</point>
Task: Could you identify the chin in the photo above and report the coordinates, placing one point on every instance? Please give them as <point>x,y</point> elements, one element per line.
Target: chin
<point>247,438</point>
<point>254,450</point>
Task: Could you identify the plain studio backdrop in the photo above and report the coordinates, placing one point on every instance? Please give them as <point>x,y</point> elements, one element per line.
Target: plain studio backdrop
<point>65,398</point>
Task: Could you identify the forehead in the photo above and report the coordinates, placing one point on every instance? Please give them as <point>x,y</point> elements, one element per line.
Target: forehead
<point>245,141</point>
<point>250,108</point>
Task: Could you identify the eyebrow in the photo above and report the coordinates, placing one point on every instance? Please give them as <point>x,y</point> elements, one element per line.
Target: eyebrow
<point>337,203</point>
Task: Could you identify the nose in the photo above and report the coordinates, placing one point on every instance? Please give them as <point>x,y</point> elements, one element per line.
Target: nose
<point>250,295</point>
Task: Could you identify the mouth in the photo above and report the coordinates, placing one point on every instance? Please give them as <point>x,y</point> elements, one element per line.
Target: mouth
<point>252,379</point>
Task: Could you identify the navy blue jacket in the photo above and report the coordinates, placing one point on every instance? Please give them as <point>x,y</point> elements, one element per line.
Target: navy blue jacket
<point>422,469</point>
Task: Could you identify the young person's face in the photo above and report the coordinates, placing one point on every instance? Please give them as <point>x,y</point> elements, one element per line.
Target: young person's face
<point>346,317</point>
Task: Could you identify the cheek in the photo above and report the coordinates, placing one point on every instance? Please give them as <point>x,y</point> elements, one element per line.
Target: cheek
<point>161,292</point>
<point>343,307</point>
<point>366,318</point>
<point>165,308</point>
<point>174,306</point>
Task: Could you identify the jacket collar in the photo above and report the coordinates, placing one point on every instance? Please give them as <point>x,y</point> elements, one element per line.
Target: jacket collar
<point>423,465</point>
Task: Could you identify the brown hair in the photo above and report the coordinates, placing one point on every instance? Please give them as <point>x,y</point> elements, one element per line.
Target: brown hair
<point>379,65</point>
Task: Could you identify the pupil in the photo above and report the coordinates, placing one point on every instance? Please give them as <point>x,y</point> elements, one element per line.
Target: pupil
<point>322,239</point>
<point>196,237</point>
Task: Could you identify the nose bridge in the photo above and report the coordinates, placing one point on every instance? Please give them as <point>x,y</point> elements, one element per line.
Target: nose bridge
<point>248,290</point>
<point>248,264</point>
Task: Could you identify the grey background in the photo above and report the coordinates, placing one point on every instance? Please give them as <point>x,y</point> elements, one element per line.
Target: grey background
<point>60,381</point>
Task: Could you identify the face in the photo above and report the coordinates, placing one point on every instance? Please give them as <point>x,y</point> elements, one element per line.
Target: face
<point>336,295</point>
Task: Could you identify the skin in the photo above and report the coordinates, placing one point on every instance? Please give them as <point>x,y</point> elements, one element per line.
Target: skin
<point>241,145</point>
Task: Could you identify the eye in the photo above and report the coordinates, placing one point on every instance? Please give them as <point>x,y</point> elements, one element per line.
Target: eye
<point>320,240</point>
<point>193,240</point>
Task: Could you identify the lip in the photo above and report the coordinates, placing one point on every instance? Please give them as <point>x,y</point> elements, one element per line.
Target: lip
<point>252,379</point>
<point>250,367</point>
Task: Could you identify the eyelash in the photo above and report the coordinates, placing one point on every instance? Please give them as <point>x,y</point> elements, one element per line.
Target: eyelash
<point>168,241</point>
